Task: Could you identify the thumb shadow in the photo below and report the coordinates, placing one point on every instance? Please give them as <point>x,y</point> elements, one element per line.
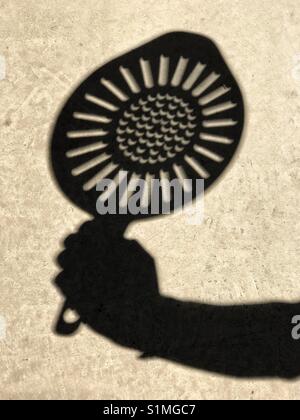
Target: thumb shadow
<point>112,284</point>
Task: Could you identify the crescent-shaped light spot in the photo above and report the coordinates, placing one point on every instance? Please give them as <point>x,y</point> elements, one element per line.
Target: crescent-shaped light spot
<point>120,139</point>
<point>151,98</point>
<point>181,114</point>
<point>159,143</point>
<point>168,138</point>
<point>174,123</point>
<point>135,119</point>
<point>161,97</point>
<point>152,161</point>
<point>149,127</point>
<point>173,130</point>
<point>147,108</point>
<point>171,155</point>
<point>140,150</point>
<point>159,104</point>
<point>123,123</point>
<point>143,141</point>
<point>185,142</point>
<point>191,117</point>
<point>128,114</point>
<point>150,135</point>
<point>141,125</point>
<point>145,118</point>
<point>139,133</point>
<point>178,138</point>
<point>143,160</point>
<point>183,126</point>
<point>120,131</point>
<point>156,120</point>
<point>151,144</point>
<point>154,152</point>
<point>123,147</point>
<point>171,116</point>
<point>161,159</point>
<point>158,136</point>
<point>127,153</point>
<point>189,111</point>
<point>189,133</point>
<point>132,142</point>
<point>163,113</point>
<point>167,148</point>
<point>134,158</point>
<point>129,130</point>
<point>154,113</point>
<point>142,102</point>
<point>179,149</point>
<point>171,97</point>
<point>134,107</point>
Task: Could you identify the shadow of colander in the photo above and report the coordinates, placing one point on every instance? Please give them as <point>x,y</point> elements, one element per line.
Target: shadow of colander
<point>169,110</point>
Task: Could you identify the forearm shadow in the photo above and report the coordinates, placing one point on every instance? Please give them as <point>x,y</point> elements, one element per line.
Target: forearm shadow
<point>112,284</point>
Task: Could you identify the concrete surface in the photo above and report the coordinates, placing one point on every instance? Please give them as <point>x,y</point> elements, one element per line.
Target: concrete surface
<point>246,251</point>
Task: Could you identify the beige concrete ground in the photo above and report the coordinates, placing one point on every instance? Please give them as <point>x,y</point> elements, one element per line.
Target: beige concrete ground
<point>246,251</point>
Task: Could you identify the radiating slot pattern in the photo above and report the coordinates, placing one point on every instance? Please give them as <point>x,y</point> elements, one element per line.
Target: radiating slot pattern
<point>212,78</point>
<point>118,179</point>
<point>207,99</point>
<point>147,74</point>
<point>163,71</point>
<point>145,201</point>
<point>151,128</point>
<point>100,176</point>
<point>208,153</point>
<point>215,139</point>
<point>191,80</point>
<point>86,134</point>
<point>90,164</point>
<point>179,72</point>
<point>165,186</point>
<point>85,149</point>
<point>217,109</point>
<point>198,168</point>
<point>182,176</point>
<point>132,185</point>
<point>92,118</point>
<point>114,90</point>
<point>218,123</point>
<point>101,102</point>
<point>131,81</point>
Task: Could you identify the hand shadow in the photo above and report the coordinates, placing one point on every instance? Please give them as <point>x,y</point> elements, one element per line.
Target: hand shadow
<point>112,283</point>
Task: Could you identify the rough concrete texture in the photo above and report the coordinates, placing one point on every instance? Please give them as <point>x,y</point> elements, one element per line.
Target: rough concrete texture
<point>247,250</point>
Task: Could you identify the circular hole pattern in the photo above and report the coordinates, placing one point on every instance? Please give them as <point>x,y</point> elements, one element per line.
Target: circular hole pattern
<point>156,128</point>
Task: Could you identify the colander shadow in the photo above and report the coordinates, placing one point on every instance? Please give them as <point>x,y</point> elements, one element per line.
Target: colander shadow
<point>112,284</point>
<point>168,109</point>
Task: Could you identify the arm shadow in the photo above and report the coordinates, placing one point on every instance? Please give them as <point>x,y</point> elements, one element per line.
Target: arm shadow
<point>112,284</point>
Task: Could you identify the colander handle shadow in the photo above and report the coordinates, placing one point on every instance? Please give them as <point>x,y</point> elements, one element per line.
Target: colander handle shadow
<point>63,327</point>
